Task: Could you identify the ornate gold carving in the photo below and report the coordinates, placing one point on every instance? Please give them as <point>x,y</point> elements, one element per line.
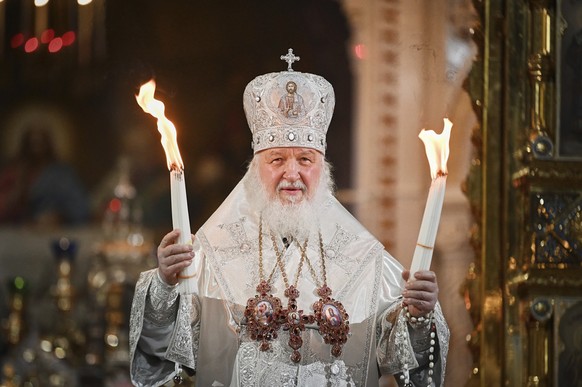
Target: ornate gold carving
<point>527,234</point>
<point>542,75</point>
<point>550,173</point>
<point>541,309</point>
<point>553,216</point>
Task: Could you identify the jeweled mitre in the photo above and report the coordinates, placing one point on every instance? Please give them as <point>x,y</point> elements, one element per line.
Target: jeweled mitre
<point>289,109</point>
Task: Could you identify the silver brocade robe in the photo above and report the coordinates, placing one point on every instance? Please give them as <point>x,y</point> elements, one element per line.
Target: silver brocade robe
<point>205,332</point>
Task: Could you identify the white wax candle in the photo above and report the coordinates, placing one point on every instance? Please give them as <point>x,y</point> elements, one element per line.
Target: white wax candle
<point>437,152</point>
<point>180,218</point>
<point>181,221</point>
<point>428,229</point>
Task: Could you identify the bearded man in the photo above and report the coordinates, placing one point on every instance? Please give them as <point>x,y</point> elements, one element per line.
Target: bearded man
<point>271,261</point>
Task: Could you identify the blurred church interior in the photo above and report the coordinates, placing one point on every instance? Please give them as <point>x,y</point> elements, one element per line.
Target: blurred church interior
<point>84,187</point>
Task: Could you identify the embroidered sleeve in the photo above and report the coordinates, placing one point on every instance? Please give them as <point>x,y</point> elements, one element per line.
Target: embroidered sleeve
<point>183,347</point>
<point>410,350</point>
<point>394,351</point>
<point>161,305</point>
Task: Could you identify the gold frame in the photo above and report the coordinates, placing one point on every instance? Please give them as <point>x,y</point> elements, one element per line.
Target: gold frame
<point>526,199</point>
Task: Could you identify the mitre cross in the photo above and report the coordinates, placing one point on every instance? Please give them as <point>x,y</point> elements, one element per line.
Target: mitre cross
<point>290,58</point>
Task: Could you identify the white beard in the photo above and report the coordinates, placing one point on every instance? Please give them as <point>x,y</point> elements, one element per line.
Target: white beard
<point>291,220</point>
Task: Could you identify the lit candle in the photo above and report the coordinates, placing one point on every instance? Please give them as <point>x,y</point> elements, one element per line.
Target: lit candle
<point>437,152</point>
<point>180,217</point>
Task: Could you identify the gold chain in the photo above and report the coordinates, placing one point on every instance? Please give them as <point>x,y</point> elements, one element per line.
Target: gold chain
<point>322,260</point>
<point>282,265</point>
<point>261,274</point>
<point>261,269</point>
<point>311,269</point>
<point>279,263</point>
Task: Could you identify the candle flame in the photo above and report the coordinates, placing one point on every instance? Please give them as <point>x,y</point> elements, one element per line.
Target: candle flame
<point>149,104</point>
<point>437,148</point>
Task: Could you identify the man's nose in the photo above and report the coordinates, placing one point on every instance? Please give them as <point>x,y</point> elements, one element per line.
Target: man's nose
<point>291,170</point>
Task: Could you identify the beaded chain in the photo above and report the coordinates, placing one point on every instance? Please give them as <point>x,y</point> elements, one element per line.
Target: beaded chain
<point>417,322</point>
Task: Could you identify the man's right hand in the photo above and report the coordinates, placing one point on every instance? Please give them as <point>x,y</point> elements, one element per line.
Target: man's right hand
<point>173,257</point>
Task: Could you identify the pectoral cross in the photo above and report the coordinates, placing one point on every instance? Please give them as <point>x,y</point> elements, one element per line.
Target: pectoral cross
<point>290,58</point>
<point>293,320</point>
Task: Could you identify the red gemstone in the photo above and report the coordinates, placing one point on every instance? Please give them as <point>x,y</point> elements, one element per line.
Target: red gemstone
<point>295,357</point>
<point>295,342</point>
<point>265,346</point>
<point>324,291</point>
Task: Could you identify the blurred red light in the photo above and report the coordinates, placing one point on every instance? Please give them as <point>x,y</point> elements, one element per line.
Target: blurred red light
<point>31,45</point>
<point>68,38</point>
<point>115,205</point>
<point>17,40</point>
<point>360,51</point>
<point>47,36</point>
<point>55,45</point>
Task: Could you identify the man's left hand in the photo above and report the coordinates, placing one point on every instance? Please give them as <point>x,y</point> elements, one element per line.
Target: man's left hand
<point>420,293</point>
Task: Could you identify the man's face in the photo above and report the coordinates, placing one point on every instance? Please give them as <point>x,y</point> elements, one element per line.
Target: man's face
<point>290,174</point>
<point>291,87</point>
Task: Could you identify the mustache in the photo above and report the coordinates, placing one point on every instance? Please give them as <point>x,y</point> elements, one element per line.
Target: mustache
<point>296,184</point>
